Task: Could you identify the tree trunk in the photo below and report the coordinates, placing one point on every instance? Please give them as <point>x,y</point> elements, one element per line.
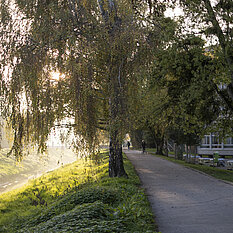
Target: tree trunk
<point>159,149</point>
<point>116,167</point>
<point>159,146</point>
<point>108,11</point>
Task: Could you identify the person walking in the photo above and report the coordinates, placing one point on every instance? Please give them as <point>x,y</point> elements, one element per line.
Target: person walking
<point>128,144</point>
<point>143,146</point>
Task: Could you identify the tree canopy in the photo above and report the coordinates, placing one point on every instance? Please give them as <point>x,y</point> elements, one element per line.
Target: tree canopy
<point>96,46</point>
<point>188,91</point>
<point>121,65</point>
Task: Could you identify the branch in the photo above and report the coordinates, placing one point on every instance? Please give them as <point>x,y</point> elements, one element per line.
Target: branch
<point>102,128</point>
<point>220,35</point>
<point>107,11</point>
<point>103,12</point>
<point>73,10</point>
<point>215,23</point>
<point>224,96</point>
<point>119,74</point>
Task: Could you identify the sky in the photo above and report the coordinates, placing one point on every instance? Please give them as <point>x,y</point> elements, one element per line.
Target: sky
<point>173,12</point>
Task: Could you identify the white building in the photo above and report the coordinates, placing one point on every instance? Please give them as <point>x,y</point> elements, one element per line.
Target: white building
<point>211,143</point>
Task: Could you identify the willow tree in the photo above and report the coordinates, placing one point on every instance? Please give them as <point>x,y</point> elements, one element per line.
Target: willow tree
<point>94,45</point>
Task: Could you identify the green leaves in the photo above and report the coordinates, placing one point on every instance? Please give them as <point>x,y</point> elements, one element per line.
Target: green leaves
<point>108,65</point>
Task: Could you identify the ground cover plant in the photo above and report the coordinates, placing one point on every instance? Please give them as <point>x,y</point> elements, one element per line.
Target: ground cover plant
<point>218,173</point>
<point>78,198</point>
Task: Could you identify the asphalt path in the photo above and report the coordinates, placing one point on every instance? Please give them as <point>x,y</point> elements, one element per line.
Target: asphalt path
<point>184,200</point>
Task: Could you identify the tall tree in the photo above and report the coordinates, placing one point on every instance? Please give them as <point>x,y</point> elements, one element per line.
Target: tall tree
<point>213,20</point>
<point>115,65</point>
<point>96,46</point>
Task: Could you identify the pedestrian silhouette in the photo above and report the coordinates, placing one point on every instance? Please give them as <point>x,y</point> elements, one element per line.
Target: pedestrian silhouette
<point>128,144</point>
<point>143,146</point>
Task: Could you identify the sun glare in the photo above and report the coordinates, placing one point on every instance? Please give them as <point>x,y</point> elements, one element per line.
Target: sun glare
<point>174,12</point>
<point>55,76</point>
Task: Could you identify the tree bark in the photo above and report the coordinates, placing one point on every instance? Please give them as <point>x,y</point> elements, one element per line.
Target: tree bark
<point>108,10</point>
<point>116,166</point>
<point>159,140</point>
<point>159,146</point>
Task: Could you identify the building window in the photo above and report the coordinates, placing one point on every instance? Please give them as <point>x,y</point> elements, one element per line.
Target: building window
<point>215,139</point>
<point>228,142</point>
<point>215,142</point>
<point>205,142</point>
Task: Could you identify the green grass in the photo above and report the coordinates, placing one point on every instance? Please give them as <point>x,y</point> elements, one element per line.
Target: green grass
<point>78,198</point>
<point>8,166</point>
<point>212,171</point>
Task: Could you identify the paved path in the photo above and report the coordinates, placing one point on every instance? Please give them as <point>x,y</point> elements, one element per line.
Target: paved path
<point>183,200</point>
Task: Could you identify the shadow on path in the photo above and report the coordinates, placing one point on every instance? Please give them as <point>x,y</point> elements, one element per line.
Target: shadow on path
<point>184,201</point>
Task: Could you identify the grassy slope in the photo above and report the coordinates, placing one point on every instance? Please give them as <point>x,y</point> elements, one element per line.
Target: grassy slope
<point>78,198</point>
<point>9,166</point>
<point>212,171</point>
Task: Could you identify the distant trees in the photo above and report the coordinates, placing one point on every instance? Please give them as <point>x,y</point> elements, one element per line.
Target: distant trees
<point>192,75</point>
<point>209,96</point>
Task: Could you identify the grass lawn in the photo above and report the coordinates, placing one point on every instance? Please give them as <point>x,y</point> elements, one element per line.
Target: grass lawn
<point>213,171</point>
<point>8,164</point>
<point>79,197</point>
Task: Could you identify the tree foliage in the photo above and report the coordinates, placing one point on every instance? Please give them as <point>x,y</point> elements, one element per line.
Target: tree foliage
<point>96,46</point>
<point>122,65</point>
<point>192,71</point>
<point>214,21</point>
